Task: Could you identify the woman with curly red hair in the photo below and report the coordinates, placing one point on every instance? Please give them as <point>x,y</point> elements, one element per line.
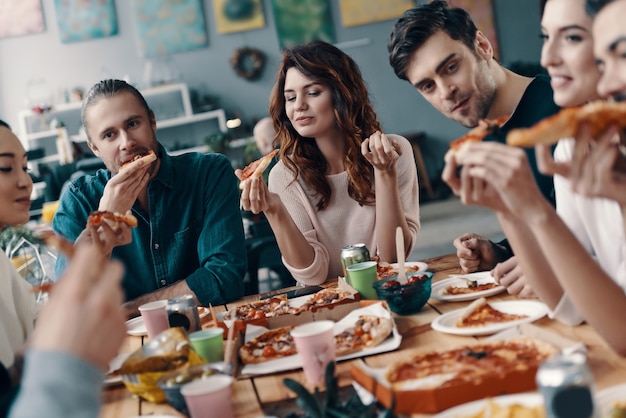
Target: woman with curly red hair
<point>340,180</point>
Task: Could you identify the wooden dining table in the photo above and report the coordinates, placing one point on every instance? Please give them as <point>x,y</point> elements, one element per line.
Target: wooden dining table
<point>267,395</point>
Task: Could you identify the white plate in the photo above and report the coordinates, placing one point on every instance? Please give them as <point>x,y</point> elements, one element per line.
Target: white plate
<point>137,328</point>
<point>526,399</point>
<point>114,365</point>
<point>482,277</point>
<point>534,310</point>
<point>607,397</point>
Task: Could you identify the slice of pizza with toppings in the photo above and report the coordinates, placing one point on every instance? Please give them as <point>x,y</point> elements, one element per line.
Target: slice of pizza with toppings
<point>463,290</point>
<point>256,168</point>
<point>270,345</point>
<point>325,297</point>
<point>266,308</point>
<point>368,331</point>
<point>477,134</point>
<point>480,313</point>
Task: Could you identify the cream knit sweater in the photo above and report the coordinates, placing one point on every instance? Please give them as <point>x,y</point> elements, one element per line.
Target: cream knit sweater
<point>343,222</point>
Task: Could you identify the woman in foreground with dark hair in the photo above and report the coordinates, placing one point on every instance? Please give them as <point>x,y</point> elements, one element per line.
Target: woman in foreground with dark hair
<point>339,180</point>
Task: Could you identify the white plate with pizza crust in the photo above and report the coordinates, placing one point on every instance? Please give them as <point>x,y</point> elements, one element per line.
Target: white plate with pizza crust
<point>137,328</point>
<point>529,399</point>
<point>481,277</point>
<point>534,310</point>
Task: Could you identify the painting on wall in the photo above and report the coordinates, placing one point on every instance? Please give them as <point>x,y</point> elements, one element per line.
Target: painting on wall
<point>20,17</point>
<point>237,16</point>
<point>361,12</point>
<point>482,15</point>
<point>298,22</point>
<point>81,20</point>
<point>165,27</point>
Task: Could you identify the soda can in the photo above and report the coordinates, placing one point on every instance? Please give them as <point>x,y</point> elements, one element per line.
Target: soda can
<point>566,384</point>
<point>183,312</point>
<point>353,254</point>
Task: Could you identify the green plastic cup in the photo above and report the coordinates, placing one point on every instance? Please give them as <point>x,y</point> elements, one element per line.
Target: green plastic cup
<point>362,277</point>
<point>208,343</point>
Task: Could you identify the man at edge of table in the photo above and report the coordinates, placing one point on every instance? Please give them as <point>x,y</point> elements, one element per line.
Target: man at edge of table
<point>189,238</point>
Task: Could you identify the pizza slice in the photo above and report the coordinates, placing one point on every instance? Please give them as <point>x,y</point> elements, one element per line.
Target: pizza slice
<point>270,345</point>
<point>256,168</point>
<point>598,115</point>
<point>98,217</point>
<point>477,134</point>
<point>146,157</point>
<point>266,308</point>
<point>325,297</point>
<point>461,290</point>
<point>480,313</point>
<point>368,331</point>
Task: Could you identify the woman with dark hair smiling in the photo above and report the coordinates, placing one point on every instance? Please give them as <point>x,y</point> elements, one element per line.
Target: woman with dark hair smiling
<point>340,180</point>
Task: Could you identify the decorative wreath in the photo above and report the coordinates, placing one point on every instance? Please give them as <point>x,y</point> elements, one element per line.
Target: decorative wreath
<point>248,62</point>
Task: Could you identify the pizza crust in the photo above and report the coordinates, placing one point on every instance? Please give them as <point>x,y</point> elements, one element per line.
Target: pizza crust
<point>598,115</point>
<point>147,158</point>
<point>480,313</point>
<point>477,134</point>
<point>96,218</point>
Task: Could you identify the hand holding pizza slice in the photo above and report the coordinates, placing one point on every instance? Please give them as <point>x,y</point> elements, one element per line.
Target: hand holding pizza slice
<point>256,168</point>
<point>484,128</point>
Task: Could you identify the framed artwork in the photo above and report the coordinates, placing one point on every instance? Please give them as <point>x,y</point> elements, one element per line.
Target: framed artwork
<point>231,16</point>
<point>361,12</point>
<point>20,17</point>
<point>165,27</point>
<point>81,20</point>
<point>298,22</point>
<point>482,15</point>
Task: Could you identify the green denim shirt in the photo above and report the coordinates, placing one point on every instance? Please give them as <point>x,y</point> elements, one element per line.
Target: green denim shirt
<point>193,230</point>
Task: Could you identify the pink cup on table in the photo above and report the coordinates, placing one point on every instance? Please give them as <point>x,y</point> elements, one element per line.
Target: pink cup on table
<point>316,346</point>
<point>209,397</point>
<point>154,316</point>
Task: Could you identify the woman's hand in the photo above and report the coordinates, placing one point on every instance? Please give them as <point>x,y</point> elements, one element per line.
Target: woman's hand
<point>380,152</point>
<point>106,236</point>
<point>255,195</point>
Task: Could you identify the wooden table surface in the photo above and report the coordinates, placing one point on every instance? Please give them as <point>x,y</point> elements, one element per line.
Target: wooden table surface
<point>251,394</point>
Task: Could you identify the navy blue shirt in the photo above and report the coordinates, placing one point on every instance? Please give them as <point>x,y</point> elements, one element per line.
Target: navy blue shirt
<point>193,230</point>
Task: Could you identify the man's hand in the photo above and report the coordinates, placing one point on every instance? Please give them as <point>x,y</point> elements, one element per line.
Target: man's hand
<point>509,274</point>
<point>121,192</point>
<point>83,316</point>
<point>475,253</point>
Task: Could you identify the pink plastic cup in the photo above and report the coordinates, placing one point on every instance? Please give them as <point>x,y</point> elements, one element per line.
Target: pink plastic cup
<point>209,397</point>
<point>316,345</point>
<point>154,317</point>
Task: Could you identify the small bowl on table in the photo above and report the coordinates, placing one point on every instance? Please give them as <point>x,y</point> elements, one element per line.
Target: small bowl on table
<point>408,298</point>
<point>172,382</point>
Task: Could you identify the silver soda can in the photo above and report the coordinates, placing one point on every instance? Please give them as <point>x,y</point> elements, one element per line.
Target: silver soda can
<point>183,312</point>
<point>566,384</point>
<point>353,254</point>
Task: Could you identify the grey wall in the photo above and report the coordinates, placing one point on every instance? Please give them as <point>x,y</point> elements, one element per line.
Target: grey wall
<point>399,107</point>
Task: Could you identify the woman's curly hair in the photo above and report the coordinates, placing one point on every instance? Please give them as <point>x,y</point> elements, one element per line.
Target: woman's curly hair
<point>354,116</point>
